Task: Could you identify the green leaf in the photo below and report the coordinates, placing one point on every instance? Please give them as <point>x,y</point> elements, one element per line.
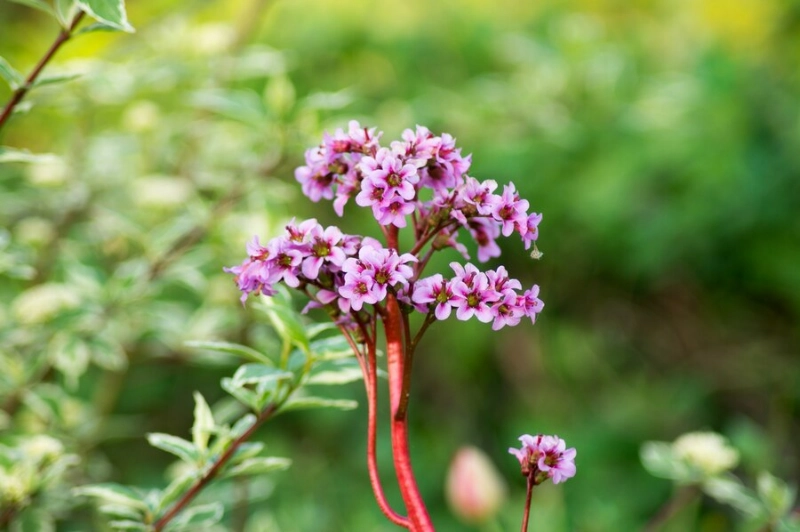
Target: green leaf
<point>259,466</point>
<point>243,425</point>
<point>41,5</point>
<point>119,511</point>
<point>114,494</point>
<point>660,461</point>
<point>203,423</point>
<point>340,376</point>
<point>197,517</point>
<point>776,495</point>
<point>285,321</point>
<point>729,490</point>
<point>70,355</point>
<point>245,451</point>
<point>332,348</point>
<point>175,489</point>
<point>244,395</point>
<point>97,26</point>
<point>65,12</point>
<point>55,78</point>
<point>259,373</point>
<point>14,155</point>
<point>304,403</point>
<point>172,444</point>
<point>108,354</point>
<point>233,349</point>
<point>111,12</point>
<point>14,79</point>
<point>128,525</point>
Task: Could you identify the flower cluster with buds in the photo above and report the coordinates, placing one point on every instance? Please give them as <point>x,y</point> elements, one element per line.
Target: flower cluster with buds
<point>422,179</point>
<point>542,457</point>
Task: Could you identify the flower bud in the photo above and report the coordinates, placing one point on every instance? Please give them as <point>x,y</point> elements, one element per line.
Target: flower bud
<point>474,488</point>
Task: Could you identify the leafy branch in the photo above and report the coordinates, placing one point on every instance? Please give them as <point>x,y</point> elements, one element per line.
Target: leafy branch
<point>22,89</point>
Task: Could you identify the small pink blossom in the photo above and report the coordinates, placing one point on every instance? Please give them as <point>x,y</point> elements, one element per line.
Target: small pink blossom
<point>542,457</point>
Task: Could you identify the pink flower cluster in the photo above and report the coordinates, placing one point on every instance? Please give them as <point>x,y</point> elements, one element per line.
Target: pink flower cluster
<point>390,182</point>
<point>348,272</point>
<point>542,457</point>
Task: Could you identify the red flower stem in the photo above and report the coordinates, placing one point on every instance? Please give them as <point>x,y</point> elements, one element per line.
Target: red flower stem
<point>372,462</point>
<point>369,371</point>
<point>527,503</point>
<point>20,92</point>
<point>395,361</point>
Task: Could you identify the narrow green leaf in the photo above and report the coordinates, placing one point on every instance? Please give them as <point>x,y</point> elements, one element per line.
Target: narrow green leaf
<point>128,525</point>
<point>776,495</point>
<point>197,517</point>
<point>244,395</point>
<point>231,348</point>
<point>70,355</point>
<point>258,373</point>
<point>14,79</point>
<point>14,155</point>
<point>65,12</point>
<point>243,425</point>
<point>246,450</point>
<point>304,403</point>
<point>41,5</point>
<point>259,466</point>
<point>120,512</point>
<point>244,106</point>
<point>114,494</point>
<point>97,26</point>
<point>175,489</point>
<point>332,348</point>
<point>315,329</point>
<point>203,423</point>
<point>340,376</point>
<point>172,444</point>
<point>729,490</point>
<point>112,12</point>
<point>55,78</point>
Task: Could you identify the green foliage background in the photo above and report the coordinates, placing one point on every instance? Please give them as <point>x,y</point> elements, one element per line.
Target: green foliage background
<point>658,138</point>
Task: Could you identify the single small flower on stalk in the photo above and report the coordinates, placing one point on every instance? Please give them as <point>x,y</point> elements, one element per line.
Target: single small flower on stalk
<point>540,458</point>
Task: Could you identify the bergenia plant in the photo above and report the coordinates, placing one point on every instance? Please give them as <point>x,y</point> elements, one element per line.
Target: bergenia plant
<point>420,185</point>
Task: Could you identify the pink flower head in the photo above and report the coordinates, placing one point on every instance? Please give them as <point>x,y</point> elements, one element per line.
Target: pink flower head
<point>285,261</point>
<point>323,248</point>
<point>394,212</point>
<point>315,177</point>
<point>507,310</point>
<point>531,232</point>
<point>480,195</point>
<point>388,171</point>
<point>473,299</point>
<point>542,457</point>
<point>531,303</point>
<point>434,289</point>
<point>511,211</point>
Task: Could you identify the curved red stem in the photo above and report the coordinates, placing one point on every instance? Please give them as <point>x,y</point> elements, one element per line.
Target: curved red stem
<point>418,516</point>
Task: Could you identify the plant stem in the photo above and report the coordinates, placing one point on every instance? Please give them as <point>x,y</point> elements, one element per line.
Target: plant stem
<point>418,516</point>
<point>527,512</point>
<point>372,462</point>
<point>678,501</point>
<point>20,92</point>
<point>212,472</point>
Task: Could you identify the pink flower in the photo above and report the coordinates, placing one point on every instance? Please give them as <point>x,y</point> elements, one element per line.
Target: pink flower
<point>323,248</point>
<point>473,299</point>
<point>511,211</point>
<point>434,289</point>
<point>544,457</point>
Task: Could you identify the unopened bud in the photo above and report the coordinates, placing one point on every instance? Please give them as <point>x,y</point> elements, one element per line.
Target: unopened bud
<point>474,488</point>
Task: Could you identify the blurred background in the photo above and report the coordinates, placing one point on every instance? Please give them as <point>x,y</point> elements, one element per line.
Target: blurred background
<point>655,137</point>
